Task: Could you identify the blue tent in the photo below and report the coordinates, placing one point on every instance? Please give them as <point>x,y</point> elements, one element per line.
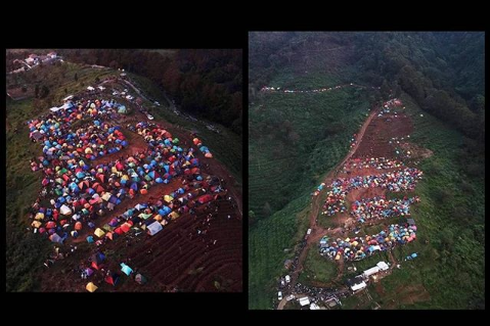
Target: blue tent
<point>90,239</point>
<point>164,210</point>
<point>126,269</point>
<point>159,180</point>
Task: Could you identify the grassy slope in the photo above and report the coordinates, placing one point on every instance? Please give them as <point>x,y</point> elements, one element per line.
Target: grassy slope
<point>281,168</point>
<point>317,268</point>
<point>292,173</point>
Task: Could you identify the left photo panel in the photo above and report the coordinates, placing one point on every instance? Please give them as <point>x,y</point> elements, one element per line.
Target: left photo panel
<point>124,170</point>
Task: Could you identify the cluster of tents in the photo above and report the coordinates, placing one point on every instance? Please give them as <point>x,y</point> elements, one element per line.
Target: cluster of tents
<point>389,105</point>
<point>379,163</point>
<point>111,278</point>
<point>402,180</point>
<point>81,192</point>
<point>319,90</point>
<point>318,189</point>
<point>153,217</point>
<point>381,208</point>
<point>358,248</point>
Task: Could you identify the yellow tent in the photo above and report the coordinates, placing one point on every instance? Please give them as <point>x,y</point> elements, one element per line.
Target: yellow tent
<point>91,287</point>
<point>125,177</point>
<point>173,215</point>
<point>36,224</point>
<point>98,232</point>
<point>88,150</point>
<point>158,217</point>
<point>168,198</point>
<point>106,196</point>
<point>39,216</point>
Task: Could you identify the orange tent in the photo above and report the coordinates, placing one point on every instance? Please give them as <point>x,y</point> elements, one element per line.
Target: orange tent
<point>143,191</point>
<point>78,226</point>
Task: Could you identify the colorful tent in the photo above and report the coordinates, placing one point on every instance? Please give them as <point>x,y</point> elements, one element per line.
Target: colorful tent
<point>154,228</point>
<point>112,279</point>
<point>65,210</point>
<point>126,269</point>
<point>98,232</point>
<point>140,279</point>
<point>91,287</point>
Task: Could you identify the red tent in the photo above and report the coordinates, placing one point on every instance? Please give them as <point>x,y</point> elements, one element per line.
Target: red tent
<point>118,230</point>
<point>125,228</point>
<point>205,198</point>
<point>50,225</point>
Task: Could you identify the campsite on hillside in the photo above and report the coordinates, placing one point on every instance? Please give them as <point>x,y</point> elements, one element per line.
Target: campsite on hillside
<point>118,180</point>
<point>367,168</point>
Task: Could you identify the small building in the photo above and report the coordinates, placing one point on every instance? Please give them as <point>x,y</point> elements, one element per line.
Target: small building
<point>382,266</point>
<point>288,279</point>
<point>90,88</point>
<point>69,97</point>
<point>304,301</point>
<point>101,87</point>
<point>358,287</point>
<point>52,55</point>
<point>371,271</point>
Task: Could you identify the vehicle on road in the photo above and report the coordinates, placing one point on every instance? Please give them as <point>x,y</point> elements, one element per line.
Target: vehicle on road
<point>279,295</point>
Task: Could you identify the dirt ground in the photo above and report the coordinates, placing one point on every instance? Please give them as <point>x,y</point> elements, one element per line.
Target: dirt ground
<point>375,142</point>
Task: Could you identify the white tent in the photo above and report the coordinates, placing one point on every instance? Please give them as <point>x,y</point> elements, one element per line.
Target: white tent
<point>305,301</point>
<point>90,88</point>
<point>55,109</point>
<point>154,228</point>
<point>314,306</point>
<point>65,210</point>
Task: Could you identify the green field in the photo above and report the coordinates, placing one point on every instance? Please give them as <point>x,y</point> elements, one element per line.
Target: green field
<point>285,168</point>
<point>317,268</point>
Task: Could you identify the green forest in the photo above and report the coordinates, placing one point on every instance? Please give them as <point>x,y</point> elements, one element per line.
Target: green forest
<point>296,140</point>
<point>206,83</point>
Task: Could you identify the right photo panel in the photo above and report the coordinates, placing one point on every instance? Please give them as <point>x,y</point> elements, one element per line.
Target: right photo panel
<point>366,170</point>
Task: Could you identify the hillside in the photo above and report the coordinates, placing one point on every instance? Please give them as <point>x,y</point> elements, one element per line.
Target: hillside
<point>27,251</point>
<point>283,172</point>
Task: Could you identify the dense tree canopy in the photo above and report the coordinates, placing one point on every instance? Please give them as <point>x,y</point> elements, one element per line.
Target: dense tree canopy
<point>207,83</point>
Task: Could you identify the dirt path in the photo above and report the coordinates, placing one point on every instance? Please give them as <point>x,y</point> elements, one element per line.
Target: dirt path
<point>318,232</point>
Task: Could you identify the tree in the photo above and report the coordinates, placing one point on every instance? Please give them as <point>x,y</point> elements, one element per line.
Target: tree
<point>97,79</point>
<point>76,76</point>
<point>24,89</point>
<point>36,91</point>
<point>66,91</point>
